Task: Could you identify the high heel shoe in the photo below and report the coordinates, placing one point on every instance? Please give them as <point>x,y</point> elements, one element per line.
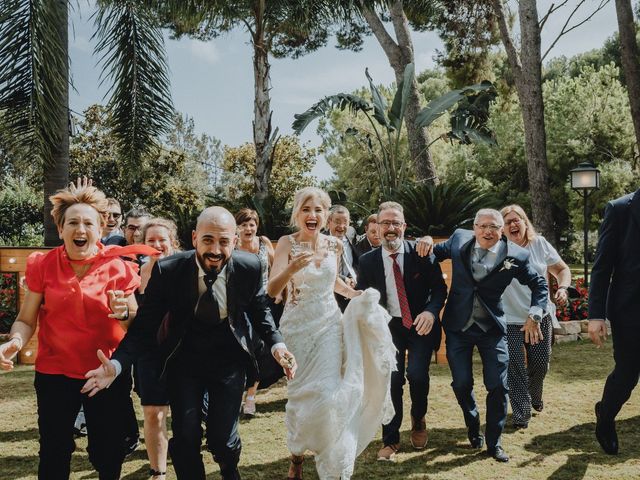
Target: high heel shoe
<point>295,468</point>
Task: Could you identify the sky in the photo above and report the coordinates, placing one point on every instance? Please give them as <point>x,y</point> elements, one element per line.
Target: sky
<point>212,82</point>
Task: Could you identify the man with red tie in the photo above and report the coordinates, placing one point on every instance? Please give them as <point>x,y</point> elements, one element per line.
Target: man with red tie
<point>413,292</point>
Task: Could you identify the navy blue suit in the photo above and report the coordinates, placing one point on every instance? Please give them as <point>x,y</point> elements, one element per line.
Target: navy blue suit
<point>614,293</point>
<point>426,292</point>
<point>512,262</point>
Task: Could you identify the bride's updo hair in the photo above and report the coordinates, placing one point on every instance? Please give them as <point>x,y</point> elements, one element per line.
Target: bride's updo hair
<point>302,196</point>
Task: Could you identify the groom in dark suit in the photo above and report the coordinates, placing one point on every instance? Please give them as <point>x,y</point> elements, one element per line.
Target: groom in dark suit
<point>413,292</point>
<point>208,313</point>
<point>484,264</point>
<point>614,293</point>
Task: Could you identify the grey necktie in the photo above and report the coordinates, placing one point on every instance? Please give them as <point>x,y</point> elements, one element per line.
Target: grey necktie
<point>478,267</point>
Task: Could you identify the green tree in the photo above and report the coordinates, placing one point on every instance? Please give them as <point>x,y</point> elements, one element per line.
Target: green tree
<point>292,163</point>
<point>171,180</point>
<point>34,82</point>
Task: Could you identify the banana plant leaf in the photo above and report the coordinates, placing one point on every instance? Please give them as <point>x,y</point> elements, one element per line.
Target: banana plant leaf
<point>379,103</point>
<point>342,101</point>
<point>399,105</point>
<point>440,105</point>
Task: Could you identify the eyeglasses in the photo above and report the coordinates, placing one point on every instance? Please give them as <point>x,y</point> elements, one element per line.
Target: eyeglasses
<point>491,227</point>
<point>512,221</point>
<point>387,224</point>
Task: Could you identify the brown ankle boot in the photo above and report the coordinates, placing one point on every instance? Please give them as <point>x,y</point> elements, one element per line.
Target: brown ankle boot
<point>295,468</point>
<point>418,433</point>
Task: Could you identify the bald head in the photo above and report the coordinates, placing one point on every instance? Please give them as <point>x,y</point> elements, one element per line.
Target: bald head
<point>214,238</point>
<point>216,215</point>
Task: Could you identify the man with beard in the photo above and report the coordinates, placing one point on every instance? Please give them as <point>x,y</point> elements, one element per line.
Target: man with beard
<point>413,292</point>
<point>207,310</point>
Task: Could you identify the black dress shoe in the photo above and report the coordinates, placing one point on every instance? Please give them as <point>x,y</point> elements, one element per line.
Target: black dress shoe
<point>476,439</point>
<point>498,454</point>
<point>520,426</point>
<point>606,434</point>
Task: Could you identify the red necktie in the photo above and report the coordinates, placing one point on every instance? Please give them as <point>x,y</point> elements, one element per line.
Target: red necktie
<point>407,321</point>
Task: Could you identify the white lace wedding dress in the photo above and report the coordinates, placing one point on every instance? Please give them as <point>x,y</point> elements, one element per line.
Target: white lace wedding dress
<point>340,394</point>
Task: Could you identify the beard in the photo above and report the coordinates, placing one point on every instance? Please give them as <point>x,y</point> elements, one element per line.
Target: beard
<point>202,259</point>
<point>393,244</point>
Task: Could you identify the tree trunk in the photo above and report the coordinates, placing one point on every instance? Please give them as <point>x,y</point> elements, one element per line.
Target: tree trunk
<point>56,168</point>
<point>527,70</point>
<point>400,54</point>
<point>262,106</point>
<point>630,61</point>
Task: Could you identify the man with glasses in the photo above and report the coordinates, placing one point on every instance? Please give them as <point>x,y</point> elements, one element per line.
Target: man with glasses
<point>338,224</point>
<point>111,233</point>
<point>135,219</point>
<point>413,292</point>
<point>484,264</point>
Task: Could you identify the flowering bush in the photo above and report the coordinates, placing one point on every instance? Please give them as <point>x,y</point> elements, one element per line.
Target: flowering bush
<point>8,300</point>
<point>575,308</point>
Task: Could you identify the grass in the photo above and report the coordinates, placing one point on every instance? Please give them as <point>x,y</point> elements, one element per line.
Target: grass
<point>559,443</point>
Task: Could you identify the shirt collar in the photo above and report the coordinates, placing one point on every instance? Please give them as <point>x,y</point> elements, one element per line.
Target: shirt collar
<point>387,253</point>
<point>493,249</point>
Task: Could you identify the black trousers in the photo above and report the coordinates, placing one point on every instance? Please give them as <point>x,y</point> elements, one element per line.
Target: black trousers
<point>418,349</point>
<point>59,400</point>
<point>186,384</point>
<point>621,382</point>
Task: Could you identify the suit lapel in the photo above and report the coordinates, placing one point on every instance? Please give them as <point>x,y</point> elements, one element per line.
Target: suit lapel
<point>635,207</point>
<point>379,276</point>
<point>230,281</point>
<point>500,258</point>
<point>192,278</point>
<point>407,265</point>
<point>466,252</point>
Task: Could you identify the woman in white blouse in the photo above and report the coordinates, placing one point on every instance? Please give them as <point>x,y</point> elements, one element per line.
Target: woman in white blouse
<point>525,378</point>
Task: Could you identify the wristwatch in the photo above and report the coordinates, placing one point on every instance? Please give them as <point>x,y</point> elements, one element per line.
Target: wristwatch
<point>536,318</point>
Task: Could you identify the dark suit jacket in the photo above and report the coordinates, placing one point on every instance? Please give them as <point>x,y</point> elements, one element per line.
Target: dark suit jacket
<point>490,289</point>
<point>614,292</point>
<point>363,246</point>
<point>170,300</point>
<point>425,287</point>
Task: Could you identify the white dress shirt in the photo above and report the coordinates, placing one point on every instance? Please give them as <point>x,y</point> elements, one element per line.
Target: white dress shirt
<point>393,304</point>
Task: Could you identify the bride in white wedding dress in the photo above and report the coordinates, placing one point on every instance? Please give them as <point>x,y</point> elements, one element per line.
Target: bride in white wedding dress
<point>340,393</point>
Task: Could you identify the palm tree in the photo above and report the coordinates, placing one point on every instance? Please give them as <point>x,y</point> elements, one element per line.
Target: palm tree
<point>34,82</point>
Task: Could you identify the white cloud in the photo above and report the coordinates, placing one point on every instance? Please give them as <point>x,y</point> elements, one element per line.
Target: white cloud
<point>205,51</point>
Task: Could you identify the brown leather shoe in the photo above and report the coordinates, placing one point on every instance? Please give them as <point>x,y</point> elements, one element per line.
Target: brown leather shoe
<point>387,452</point>
<point>295,468</point>
<point>419,435</point>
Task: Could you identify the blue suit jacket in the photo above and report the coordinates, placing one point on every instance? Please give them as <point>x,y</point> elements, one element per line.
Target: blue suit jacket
<point>490,289</point>
<point>614,292</point>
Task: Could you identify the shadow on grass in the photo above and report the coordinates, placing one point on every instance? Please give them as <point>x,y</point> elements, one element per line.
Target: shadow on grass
<point>582,437</point>
<point>19,435</point>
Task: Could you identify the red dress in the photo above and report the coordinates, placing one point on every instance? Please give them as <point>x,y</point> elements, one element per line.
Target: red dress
<point>73,318</point>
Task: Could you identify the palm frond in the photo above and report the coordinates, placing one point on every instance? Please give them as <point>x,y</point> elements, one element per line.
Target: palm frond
<point>342,101</point>
<point>33,74</point>
<point>132,53</point>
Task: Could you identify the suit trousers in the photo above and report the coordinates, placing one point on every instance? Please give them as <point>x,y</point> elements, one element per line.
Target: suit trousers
<point>418,350</point>
<point>186,385</point>
<point>492,346</point>
<point>624,377</point>
<point>59,400</point>
<point>526,376</point>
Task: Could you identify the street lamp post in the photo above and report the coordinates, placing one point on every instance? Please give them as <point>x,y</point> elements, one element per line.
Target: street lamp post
<point>584,179</point>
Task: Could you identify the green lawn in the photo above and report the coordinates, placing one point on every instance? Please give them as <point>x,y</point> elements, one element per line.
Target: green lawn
<point>559,443</point>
